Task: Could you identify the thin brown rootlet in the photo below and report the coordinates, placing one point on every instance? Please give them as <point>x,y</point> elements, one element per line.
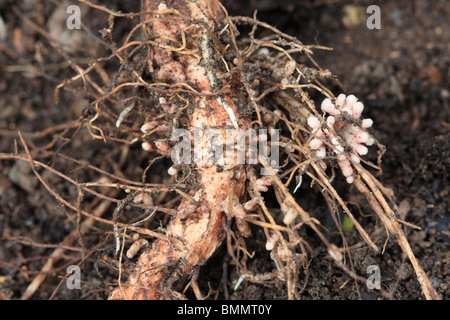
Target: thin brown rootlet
<point>198,60</point>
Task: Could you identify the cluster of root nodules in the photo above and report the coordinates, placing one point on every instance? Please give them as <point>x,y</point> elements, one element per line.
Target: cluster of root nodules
<point>280,93</point>
<point>344,129</point>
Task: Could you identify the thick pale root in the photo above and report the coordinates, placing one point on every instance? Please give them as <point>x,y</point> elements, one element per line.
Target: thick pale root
<point>199,227</point>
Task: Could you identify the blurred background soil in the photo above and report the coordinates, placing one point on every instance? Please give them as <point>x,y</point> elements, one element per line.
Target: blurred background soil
<point>401,73</point>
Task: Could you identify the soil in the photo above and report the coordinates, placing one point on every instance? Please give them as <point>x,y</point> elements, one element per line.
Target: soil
<point>401,72</point>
